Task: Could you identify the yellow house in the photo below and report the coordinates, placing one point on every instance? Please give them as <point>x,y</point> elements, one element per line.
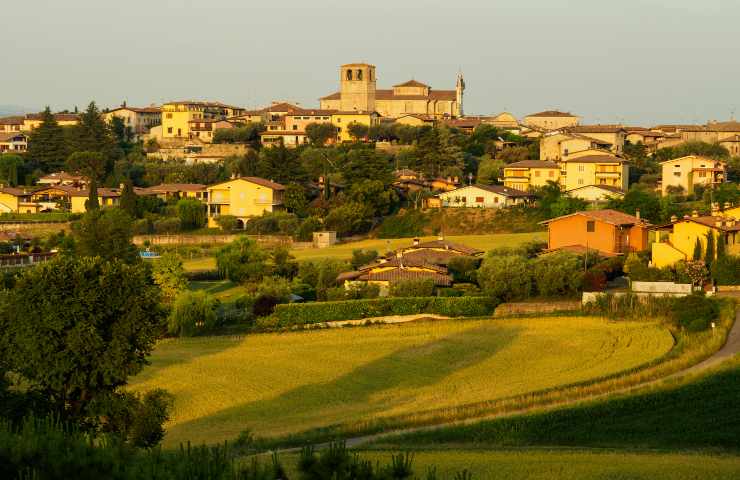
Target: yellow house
<point>686,172</point>
<point>179,118</point>
<point>61,197</point>
<point>177,191</point>
<point>529,174</point>
<point>596,193</point>
<point>139,119</point>
<point>551,120</point>
<point>557,146</point>
<point>677,240</point>
<point>612,135</point>
<point>16,200</point>
<point>342,120</point>
<point>243,197</point>
<point>33,120</point>
<point>595,170</point>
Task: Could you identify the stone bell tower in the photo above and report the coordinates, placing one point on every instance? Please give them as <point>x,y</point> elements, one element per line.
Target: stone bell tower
<point>459,89</point>
<point>357,87</point>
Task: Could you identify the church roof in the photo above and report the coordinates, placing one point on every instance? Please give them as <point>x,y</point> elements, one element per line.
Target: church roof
<point>381,94</point>
<point>411,83</point>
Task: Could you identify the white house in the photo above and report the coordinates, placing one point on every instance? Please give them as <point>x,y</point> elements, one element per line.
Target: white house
<point>596,193</point>
<point>484,196</point>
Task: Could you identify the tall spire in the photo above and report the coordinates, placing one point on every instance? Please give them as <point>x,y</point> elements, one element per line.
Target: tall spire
<point>459,89</point>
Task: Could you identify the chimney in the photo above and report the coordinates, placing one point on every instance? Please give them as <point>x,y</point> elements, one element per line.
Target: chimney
<point>694,214</point>
<point>674,219</point>
<point>686,217</point>
<point>637,213</point>
<point>416,241</point>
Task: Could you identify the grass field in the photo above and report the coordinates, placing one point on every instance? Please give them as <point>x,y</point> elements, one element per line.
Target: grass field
<point>344,250</point>
<point>277,384</point>
<point>224,290</point>
<point>563,465</point>
<point>701,413</point>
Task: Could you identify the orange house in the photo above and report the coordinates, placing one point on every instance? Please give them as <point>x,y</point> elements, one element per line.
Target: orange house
<point>608,231</point>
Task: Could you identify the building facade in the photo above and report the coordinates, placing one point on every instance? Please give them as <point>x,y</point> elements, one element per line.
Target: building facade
<point>243,197</point>
<point>685,173</point>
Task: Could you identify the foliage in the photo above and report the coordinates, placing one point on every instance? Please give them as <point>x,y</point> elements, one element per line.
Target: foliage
<point>408,223</point>
<point>726,270</point>
<point>464,269</point>
<point>129,200</point>
<point>72,315</point>
<point>374,196</point>
<point>349,218</point>
<point>306,313</point>
<point>271,223</point>
<point>703,149</point>
<point>11,166</point>
<point>321,274</point>
<point>47,148</point>
<point>294,199</point>
<point>558,274</point>
<point>362,257</point>
<point>193,313</point>
<point>642,198</point>
<point>169,275</point>
<point>695,312</point>
<point>320,133</point>
<point>168,225</point>
<point>307,228</point>
<point>249,133</point>
<point>357,131</point>
<point>337,462</point>
<point>192,213</point>
<point>506,277</point>
<point>490,169</point>
<point>241,260</point>
<point>227,223</point>
<point>413,288</point>
<point>105,233</point>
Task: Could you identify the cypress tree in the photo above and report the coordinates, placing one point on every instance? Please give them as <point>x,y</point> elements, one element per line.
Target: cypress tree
<point>128,198</point>
<point>720,247</point>
<point>92,198</point>
<point>47,148</point>
<point>697,250</point>
<point>709,256</point>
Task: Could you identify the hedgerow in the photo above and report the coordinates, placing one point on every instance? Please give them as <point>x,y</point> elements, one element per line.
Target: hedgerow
<point>307,313</point>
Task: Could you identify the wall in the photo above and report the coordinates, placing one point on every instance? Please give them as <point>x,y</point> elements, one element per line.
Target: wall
<point>572,231</point>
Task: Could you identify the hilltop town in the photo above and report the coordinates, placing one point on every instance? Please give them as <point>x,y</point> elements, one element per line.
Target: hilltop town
<point>535,283</point>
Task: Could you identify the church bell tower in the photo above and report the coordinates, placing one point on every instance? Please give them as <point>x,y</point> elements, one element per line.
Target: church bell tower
<point>357,87</point>
<point>459,89</point>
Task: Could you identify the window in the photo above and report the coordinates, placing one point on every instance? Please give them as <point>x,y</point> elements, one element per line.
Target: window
<point>590,226</point>
<point>495,199</point>
<point>295,127</point>
<point>565,152</point>
<point>702,173</point>
<point>479,199</point>
<point>580,181</point>
<point>536,173</point>
<point>169,129</point>
<point>349,74</point>
<point>676,174</point>
<point>581,168</point>
<point>359,74</point>
<point>551,174</point>
<point>169,115</point>
<point>463,199</point>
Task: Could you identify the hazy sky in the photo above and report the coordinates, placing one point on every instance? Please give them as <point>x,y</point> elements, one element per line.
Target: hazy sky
<point>636,61</point>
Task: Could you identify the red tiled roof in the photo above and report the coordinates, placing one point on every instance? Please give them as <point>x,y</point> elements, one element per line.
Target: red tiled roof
<point>6,136</point>
<point>16,192</point>
<point>256,180</point>
<point>447,245</point>
<point>552,113</point>
<point>596,159</point>
<point>502,190</point>
<point>401,275</point>
<point>533,164</point>
<point>411,83</point>
<point>65,117</point>
<point>14,120</point>
<point>177,187</point>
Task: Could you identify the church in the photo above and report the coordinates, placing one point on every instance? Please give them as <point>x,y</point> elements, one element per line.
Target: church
<point>357,92</point>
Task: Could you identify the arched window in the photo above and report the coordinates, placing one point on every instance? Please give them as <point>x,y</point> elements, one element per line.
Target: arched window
<point>349,74</point>
<point>359,74</point>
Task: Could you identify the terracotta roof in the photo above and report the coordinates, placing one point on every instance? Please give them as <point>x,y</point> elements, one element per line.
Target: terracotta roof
<point>701,157</point>
<point>14,120</point>
<point>596,129</point>
<point>612,217</point>
<point>596,159</point>
<point>552,113</point>
<point>282,107</point>
<point>734,138</point>
<point>256,180</point>
<point>402,275</point>
<point>16,192</point>
<point>177,187</point>
<point>610,188</point>
<point>332,96</point>
<point>138,109</point>
<point>675,127</point>
<point>711,221</point>
<point>723,126</point>
<point>533,164</point>
<point>505,191</point>
<point>411,83</point>
<point>447,245</point>
<point>404,262</point>
<point>462,122</point>
<point>65,117</point>
<point>586,137</point>
<point>420,116</point>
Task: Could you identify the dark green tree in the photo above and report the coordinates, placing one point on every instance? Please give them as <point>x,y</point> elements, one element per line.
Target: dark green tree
<point>47,148</point>
<point>697,250</point>
<point>320,133</point>
<point>11,166</point>
<point>709,253</point>
<point>122,133</point>
<point>281,165</point>
<point>105,233</point>
<point>366,164</point>
<point>76,329</point>
<point>357,131</point>
<point>90,164</point>
<point>129,200</point>
<point>192,213</point>
<point>92,203</point>
<point>93,134</point>
<point>242,260</point>
<point>294,199</point>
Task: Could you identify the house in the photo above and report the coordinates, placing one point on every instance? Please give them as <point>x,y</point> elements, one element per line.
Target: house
<point>243,197</point>
<point>597,169</point>
<point>72,199</point>
<point>485,196</point>
<point>11,124</point>
<point>397,269</point>
<point>614,135</point>
<point>712,132</point>
<point>732,144</point>
<point>683,174</point>
<point>530,174</point>
<point>358,91</point>
<point>558,146</point>
<point>16,200</point>
<point>437,252</point>
<point>608,231</point>
<point>177,191</point>
<point>503,120</point>
<point>139,119</point>
<point>645,137</point>
<point>677,240</point>
<point>551,120</point>
<point>16,142</point>
<point>596,193</point>
<point>62,178</point>
<point>32,120</point>
<point>343,119</point>
<point>444,184</point>
<point>183,119</point>
<point>287,138</point>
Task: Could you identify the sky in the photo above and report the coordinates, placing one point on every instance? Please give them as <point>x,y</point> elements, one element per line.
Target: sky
<point>632,61</point>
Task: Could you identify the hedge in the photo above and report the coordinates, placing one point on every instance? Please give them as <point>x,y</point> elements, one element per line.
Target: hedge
<point>286,315</point>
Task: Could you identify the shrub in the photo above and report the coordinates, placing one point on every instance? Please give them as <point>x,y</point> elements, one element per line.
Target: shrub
<point>362,257</point>
<point>264,305</point>
<point>726,270</point>
<point>192,213</point>
<point>506,277</point>
<point>695,312</point>
<point>308,226</point>
<point>287,315</point>
<point>594,280</point>
<point>242,260</point>
<point>413,288</point>
<point>227,222</point>
<point>203,275</point>
<point>192,313</point>
<point>142,226</point>
<point>167,226</point>
<point>463,269</point>
<point>558,274</point>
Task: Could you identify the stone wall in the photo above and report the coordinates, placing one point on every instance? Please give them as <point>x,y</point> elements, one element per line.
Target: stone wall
<point>528,308</point>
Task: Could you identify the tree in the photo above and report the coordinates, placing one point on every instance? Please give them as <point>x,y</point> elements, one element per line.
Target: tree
<point>280,164</point>
<point>90,164</point>
<point>192,313</point>
<point>697,250</point>
<point>320,133</point>
<point>10,167</point>
<point>294,199</point>
<point>709,252</point>
<point>639,198</point>
<point>92,202</point>
<point>129,201</point>
<point>76,328</point>
<point>378,199</point>
<point>357,131</point>
<point>506,277</point>
<point>242,260</point>
<point>366,164</point>
<point>489,170</point>
<point>169,275</point>
<point>192,213</point>
<point>107,234</point>
<point>47,148</point>
<point>514,154</point>
<point>123,134</point>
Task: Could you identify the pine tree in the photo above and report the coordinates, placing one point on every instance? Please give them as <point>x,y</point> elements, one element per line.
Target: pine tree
<point>93,134</point>
<point>128,201</point>
<point>47,147</point>
<point>697,250</point>
<point>92,198</point>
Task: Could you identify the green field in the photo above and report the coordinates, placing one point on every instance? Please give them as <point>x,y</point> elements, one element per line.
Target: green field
<point>563,465</point>
<point>277,384</point>
<point>344,250</point>
<point>224,290</point>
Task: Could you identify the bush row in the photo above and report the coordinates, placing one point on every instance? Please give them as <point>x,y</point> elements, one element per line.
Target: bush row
<point>306,313</point>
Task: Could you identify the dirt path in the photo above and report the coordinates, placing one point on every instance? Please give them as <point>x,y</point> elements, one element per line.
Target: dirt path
<point>730,349</point>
